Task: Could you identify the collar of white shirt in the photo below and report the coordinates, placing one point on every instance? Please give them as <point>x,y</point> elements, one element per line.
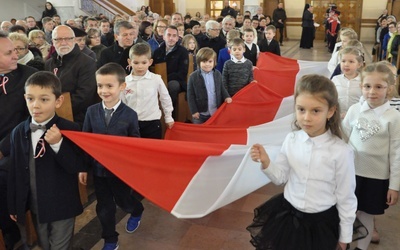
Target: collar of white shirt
<point>378,110</point>
<point>42,123</point>
<point>131,77</point>
<point>236,60</point>
<point>317,140</point>
<point>115,106</point>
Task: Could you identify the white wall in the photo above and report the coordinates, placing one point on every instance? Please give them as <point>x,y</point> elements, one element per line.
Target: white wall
<point>19,9</point>
<point>371,10</point>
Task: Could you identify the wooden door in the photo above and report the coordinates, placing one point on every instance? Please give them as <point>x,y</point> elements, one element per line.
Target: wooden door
<point>350,14</point>
<point>214,7</point>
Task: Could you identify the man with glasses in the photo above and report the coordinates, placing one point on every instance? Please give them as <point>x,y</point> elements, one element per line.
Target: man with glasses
<point>212,38</point>
<point>13,111</point>
<point>5,26</point>
<point>75,70</point>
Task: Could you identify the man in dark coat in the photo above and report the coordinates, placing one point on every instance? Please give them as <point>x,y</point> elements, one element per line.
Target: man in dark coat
<point>177,59</point>
<point>228,10</point>
<point>13,111</point>
<point>279,17</point>
<point>75,70</point>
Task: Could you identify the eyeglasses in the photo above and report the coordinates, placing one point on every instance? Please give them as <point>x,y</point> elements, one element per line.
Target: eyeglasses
<point>93,37</point>
<point>378,88</point>
<point>63,39</point>
<point>19,49</point>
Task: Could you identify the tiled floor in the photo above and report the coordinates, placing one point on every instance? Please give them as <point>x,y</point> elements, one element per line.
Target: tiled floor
<point>224,228</point>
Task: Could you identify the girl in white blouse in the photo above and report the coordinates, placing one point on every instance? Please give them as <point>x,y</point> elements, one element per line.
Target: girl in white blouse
<point>348,83</point>
<point>373,129</point>
<point>318,206</point>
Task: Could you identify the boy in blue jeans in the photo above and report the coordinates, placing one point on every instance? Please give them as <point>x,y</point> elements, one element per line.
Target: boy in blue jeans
<point>112,117</point>
<point>43,175</point>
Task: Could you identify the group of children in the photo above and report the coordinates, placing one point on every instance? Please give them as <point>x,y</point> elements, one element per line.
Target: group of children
<point>236,63</point>
<point>341,162</point>
<point>47,166</point>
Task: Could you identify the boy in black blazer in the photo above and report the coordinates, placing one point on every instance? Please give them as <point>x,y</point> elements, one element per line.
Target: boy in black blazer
<point>43,176</point>
<point>269,44</point>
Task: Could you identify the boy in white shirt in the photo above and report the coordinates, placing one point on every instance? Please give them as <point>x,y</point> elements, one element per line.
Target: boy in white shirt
<point>252,49</point>
<point>144,91</point>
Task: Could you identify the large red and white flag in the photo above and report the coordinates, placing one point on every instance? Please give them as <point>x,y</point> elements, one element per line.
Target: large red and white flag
<point>200,168</point>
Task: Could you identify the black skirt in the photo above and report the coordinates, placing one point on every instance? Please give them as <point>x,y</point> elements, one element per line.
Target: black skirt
<point>371,195</point>
<point>278,225</point>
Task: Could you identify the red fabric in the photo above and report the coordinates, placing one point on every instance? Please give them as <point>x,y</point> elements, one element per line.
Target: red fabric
<point>158,169</point>
<point>255,104</point>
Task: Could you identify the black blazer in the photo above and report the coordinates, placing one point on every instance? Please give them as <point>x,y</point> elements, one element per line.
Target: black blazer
<point>56,175</point>
<point>273,47</point>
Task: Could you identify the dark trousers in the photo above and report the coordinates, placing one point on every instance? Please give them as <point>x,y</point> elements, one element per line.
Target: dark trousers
<point>174,88</point>
<point>111,191</point>
<point>332,42</point>
<point>8,227</point>
<point>150,129</point>
<point>280,34</point>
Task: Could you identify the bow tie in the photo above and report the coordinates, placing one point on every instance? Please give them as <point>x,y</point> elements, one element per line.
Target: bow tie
<point>35,127</point>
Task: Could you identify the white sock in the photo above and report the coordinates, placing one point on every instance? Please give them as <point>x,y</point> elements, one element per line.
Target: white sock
<point>368,221</point>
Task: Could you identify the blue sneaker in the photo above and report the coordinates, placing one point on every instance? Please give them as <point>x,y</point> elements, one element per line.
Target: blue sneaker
<point>110,246</point>
<point>132,224</point>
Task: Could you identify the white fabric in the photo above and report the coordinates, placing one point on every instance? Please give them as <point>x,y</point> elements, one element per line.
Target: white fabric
<point>349,91</point>
<point>333,62</point>
<point>143,95</point>
<point>318,173</point>
<point>24,60</point>
<point>377,156</point>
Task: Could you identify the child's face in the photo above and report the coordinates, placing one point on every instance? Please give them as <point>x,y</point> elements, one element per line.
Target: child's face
<point>140,64</point>
<point>196,29</point>
<point>345,40</point>
<point>191,45</point>
<point>109,89</point>
<point>269,34</point>
<point>181,31</point>
<point>349,65</point>
<point>208,65</point>
<point>312,113</point>
<point>248,37</point>
<point>41,102</point>
<point>374,89</point>
<point>237,51</point>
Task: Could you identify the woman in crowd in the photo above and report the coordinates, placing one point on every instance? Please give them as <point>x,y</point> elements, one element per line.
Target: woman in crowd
<point>159,27</point>
<point>145,30</point>
<point>93,41</point>
<point>49,10</point>
<point>36,39</point>
<point>26,56</point>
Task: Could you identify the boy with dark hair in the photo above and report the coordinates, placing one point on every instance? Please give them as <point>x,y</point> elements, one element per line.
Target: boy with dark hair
<point>269,44</point>
<point>43,177</point>
<point>145,91</point>
<point>237,72</point>
<point>112,117</point>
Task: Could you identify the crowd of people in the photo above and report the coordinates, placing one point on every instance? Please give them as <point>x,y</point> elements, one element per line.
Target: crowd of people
<point>104,66</point>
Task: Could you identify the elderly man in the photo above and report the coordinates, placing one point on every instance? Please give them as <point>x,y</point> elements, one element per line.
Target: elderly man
<point>177,59</point>
<point>90,22</point>
<point>13,111</point>
<point>71,22</point>
<point>259,13</point>
<point>75,70</point>
<point>5,26</point>
<point>212,38</point>
<point>126,35</point>
<point>228,23</point>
